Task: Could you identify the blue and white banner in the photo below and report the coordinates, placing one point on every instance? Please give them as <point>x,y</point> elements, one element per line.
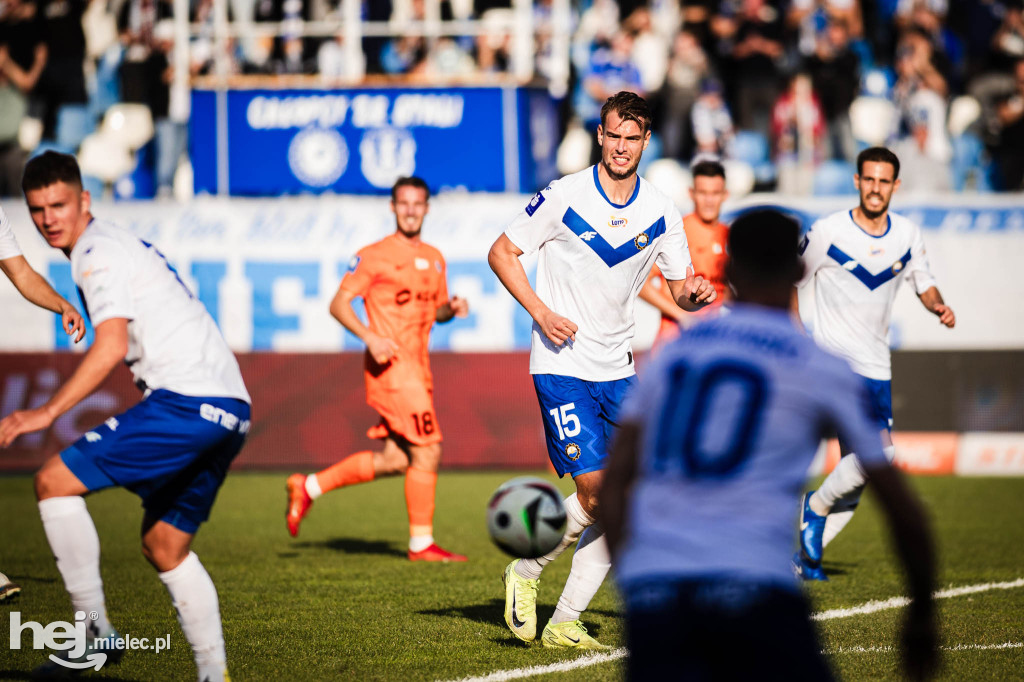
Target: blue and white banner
<point>267,269</point>
<point>274,142</point>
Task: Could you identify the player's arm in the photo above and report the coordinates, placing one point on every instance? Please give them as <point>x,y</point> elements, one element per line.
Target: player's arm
<point>109,349</point>
<point>37,290</point>
<point>693,293</point>
<point>456,307</point>
<point>381,348</point>
<point>932,301</point>
<point>504,261</point>
<point>660,299</point>
<point>616,484</point>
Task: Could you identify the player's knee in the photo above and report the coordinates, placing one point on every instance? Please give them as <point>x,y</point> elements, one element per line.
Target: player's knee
<point>161,555</point>
<point>47,485</point>
<point>588,502</point>
<point>426,457</point>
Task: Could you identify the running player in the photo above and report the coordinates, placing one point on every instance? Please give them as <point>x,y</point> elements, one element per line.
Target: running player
<point>727,419</point>
<point>705,237</point>
<point>856,260</point>
<point>403,283</point>
<point>35,289</point>
<point>173,448</point>
<point>597,232</point>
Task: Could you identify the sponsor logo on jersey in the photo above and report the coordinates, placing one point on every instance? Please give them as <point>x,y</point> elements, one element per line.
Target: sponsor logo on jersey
<point>717,249</point>
<point>534,204</point>
<point>588,235</point>
<point>897,266</point>
<point>877,251</point>
<point>572,451</point>
<point>421,263</point>
<point>354,263</point>
<point>617,222</point>
<point>641,241</point>
<point>850,265</point>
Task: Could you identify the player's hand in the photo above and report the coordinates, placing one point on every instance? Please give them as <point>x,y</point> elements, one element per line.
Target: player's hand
<point>382,349</point>
<point>459,306</point>
<point>73,324</point>
<point>23,421</point>
<point>945,314</point>
<point>558,329</point>
<point>920,643</point>
<point>698,289</point>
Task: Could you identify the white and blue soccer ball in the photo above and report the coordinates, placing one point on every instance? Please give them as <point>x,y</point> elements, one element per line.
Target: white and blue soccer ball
<point>526,517</point>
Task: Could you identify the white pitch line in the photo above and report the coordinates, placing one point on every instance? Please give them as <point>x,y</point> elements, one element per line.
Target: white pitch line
<point>831,614</point>
<point>955,647</point>
<point>896,602</point>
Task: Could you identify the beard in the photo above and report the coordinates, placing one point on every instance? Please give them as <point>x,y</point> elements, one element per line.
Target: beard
<point>617,174</point>
<point>873,214</point>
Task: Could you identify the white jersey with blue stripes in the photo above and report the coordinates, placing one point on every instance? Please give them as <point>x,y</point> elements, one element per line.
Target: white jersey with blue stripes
<point>594,256</point>
<point>731,414</point>
<point>8,244</point>
<point>856,276</point>
<point>173,343</point>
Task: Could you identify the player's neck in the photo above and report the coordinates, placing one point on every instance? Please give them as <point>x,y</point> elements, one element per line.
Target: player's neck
<point>412,239</point>
<point>618,191</point>
<point>875,226</point>
<point>704,223</point>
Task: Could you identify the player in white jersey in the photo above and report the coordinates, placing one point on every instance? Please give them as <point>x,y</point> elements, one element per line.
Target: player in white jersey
<point>173,448</point>
<point>728,418</point>
<point>598,233</point>
<point>35,289</point>
<point>856,261</point>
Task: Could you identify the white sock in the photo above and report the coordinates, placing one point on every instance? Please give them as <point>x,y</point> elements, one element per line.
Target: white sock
<point>577,521</point>
<point>845,503</point>
<point>835,522</point>
<point>313,487</point>
<point>76,547</point>
<point>590,565</point>
<point>195,600</point>
<point>848,477</point>
<point>418,543</point>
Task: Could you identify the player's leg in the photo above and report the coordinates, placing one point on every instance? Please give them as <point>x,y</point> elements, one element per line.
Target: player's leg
<point>420,493</point>
<point>8,588</point>
<point>192,592</point>
<point>844,500</point>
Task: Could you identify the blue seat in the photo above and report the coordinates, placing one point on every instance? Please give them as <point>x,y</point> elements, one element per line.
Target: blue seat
<point>751,147</point>
<point>74,123</point>
<point>834,178</point>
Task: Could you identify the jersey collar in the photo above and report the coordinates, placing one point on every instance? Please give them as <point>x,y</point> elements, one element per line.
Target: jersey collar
<point>888,226</point>
<point>597,183</point>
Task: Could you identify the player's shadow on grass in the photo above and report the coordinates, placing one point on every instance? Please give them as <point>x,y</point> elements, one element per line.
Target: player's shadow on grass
<point>358,546</point>
<point>835,568</point>
<point>491,612</point>
<point>27,675</point>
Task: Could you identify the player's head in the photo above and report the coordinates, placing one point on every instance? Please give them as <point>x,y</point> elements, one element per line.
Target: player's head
<point>409,203</point>
<point>58,205</point>
<point>624,133</point>
<point>764,259</point>
<point>708,190</point>
<point>878,172</point>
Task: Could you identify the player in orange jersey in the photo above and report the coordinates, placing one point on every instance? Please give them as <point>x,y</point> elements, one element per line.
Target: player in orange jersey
<point>706,238</point>
<point>402,282</point>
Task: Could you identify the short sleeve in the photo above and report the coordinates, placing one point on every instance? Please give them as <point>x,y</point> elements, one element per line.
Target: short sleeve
<point>674,257</point>
<point>919,272</point>
<point>8,244</point>
<point>104,279</point>
<point>813,250</point>
<point>538,222</point>
<point>359,275</point>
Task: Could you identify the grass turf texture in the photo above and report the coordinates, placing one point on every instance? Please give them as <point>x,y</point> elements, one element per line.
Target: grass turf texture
<point>342,602</point>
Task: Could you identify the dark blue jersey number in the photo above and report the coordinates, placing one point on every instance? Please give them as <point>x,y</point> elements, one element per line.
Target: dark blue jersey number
<point>682,442</point>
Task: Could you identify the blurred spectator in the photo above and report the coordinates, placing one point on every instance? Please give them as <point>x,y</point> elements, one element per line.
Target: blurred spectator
<point>446,60</point>
<point>712,123</point>
<point>1009,153</point>
<point>611,69</point>
<point>757,49</point>
<point>929,19</point>
<point>171,124</point>
<point>697,15</point>
<point>926,150</point>
<point>917,67</point>
<point>1008,42</point>
<point>650,51</point>
<point>22,59</point>
<point>835,74</point>
<point>141,68</point>
<point>494,45</point>
<point>290,52</point>
<point>405,53</point>
<point>332,60</point>
<point>688,67</point>
<point>798,130</point>
<point>63,78</point>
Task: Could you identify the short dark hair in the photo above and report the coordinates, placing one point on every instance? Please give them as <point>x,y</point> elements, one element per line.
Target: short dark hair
<point>411,181</point>
<point>878,155</point>
<point>50,168</point>
<point>630,107</point>
<point>708,168</point>
<point>763,245</point>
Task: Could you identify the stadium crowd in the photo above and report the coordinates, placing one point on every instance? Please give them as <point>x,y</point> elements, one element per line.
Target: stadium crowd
<point>792,87</point>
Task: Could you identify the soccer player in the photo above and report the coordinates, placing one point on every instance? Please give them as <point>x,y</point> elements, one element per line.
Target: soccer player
<point>403,283</point>
<point>173,448</point>
<point>727,418</point>
<point>597,232</point>
<point>35,289</point>
<point>705,237</point>
<point>856,260</point>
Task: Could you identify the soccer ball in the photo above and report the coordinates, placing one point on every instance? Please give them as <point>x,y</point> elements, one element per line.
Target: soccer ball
<point>526,517</point>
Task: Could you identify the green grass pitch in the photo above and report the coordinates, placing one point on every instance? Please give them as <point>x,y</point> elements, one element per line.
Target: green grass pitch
<point>341,602</point>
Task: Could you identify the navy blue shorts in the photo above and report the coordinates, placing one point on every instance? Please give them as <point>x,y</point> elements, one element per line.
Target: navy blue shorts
<point>579,417</point>
<point>171,450</point>
<point>880,399</point>
<point>720,628</point>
